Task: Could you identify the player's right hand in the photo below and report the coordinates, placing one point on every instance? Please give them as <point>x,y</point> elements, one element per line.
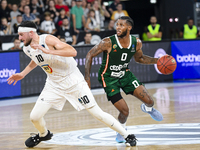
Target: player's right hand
<point>14,78</point>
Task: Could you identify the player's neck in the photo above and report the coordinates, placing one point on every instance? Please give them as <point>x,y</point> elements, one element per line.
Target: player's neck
<point>35,39</point>
<point>124,39</point>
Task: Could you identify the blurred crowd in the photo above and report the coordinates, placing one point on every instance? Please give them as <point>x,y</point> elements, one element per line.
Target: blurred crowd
<point>62,18</point>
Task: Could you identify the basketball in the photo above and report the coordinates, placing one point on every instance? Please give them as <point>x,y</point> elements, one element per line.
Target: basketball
<point>166,64</point>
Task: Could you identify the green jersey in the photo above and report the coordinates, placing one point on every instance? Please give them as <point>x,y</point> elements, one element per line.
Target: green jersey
<point>115,64</point>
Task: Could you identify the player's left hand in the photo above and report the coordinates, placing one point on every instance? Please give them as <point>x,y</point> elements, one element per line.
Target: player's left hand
<point>37,46</point>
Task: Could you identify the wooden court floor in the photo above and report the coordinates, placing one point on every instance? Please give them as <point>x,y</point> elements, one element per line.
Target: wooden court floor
<point>178,102</point>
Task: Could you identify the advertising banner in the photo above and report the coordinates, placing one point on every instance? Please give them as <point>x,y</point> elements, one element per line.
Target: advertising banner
<point>187,56</point>
<point>9,65</point>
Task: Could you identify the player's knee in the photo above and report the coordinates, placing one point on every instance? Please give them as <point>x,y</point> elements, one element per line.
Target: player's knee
<point>34,117</point>
<point>125,112</point>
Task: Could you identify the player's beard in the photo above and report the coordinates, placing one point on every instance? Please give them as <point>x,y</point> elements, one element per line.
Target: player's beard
<point>28,42</point>
<point>123,34</point>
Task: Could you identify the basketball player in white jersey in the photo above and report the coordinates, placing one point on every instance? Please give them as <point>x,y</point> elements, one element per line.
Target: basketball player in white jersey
<point>64,82</point>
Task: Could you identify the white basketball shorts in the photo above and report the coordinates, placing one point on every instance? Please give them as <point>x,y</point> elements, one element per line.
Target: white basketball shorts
<point>79,95</point>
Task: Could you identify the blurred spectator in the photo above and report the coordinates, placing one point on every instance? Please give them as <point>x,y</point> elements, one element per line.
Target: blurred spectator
<point>58,20</point>
<point>87,39</point>
<point>52,9</point>
<point>85,9</point>
<point>113,5</point>
<point>67,32</point>
<point>35,8</point>
<point>100,13</point>
<point>13,14</point>
<point>90,1</point>
<point>91,23</point>
<point>60,5</point>
<point>62,38</point>
<point>111,25</point>
<point>27,16</point>
<point>189,30</point>
<point>154,32</point>
<point>16,45</point>
<point>5,27</point>
<point>78,18</point>
<point>47,26</point>
<point>119,12</point>
<point>68,3</point>
<point>73,3</point>
<point>144,34</point>
<point>19,21</point>
<point>21,6</point>
<point>4,10</point>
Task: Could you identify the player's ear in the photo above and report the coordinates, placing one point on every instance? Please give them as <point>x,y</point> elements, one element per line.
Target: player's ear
<point>129,28</point>
<point>31,33</point>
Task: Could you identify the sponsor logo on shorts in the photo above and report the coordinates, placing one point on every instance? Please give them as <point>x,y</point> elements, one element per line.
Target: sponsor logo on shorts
<point>118,74</point>
<point>156,134</point>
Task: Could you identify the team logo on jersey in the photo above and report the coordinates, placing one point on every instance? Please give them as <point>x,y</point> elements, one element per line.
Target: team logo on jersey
<point>43,45</point>
<point>115,50</point>
<point>47,68</point>
<point>115,46</point>
<point>133,48</point>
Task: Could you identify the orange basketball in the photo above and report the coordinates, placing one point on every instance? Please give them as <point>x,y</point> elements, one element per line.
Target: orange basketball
<point>166,64</point>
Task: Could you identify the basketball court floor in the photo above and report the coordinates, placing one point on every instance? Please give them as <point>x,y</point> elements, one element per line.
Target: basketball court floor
<point>180,130</point>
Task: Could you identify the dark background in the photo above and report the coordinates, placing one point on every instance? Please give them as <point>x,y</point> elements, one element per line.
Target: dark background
<point>141,11</point>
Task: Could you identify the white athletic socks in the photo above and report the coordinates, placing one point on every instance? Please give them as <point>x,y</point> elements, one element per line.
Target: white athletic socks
<point>43,134</point>
<point>148,108</point>
<point>123,125</point>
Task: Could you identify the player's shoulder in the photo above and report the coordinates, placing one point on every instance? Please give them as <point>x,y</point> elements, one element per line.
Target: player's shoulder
<point>106,40</point>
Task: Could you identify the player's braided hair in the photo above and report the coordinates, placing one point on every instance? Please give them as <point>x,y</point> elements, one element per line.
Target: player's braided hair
<point>128,20</point>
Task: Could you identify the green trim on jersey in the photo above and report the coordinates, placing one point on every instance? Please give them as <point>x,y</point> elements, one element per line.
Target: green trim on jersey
<point>115,64</point>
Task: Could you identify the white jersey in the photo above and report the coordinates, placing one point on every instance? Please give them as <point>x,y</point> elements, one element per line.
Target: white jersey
<point>59,69</point>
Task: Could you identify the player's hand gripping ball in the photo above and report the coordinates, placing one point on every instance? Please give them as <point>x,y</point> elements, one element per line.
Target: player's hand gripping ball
<point>166,64</point>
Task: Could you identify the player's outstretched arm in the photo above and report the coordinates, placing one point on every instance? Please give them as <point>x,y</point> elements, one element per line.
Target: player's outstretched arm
<point>140,57</point>
<point>104,45</point>
<point>18,76</point>
<point>56,47</point>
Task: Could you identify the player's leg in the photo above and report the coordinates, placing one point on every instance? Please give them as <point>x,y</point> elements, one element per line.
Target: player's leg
<point>123,109</point>
<point>141,93</point>
<point>87,101</point>
<point>131,85</point>
<point>111,122</point>
<point>36,117</point>
<point>47,99</point>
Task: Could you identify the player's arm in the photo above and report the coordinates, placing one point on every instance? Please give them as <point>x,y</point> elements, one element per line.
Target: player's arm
<point>104,45</point>
<point>18,76</point>
<point>140,57</point>
<point>56,47</point>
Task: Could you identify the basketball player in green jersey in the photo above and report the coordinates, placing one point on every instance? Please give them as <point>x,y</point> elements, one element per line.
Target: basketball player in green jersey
<point>115,74</point>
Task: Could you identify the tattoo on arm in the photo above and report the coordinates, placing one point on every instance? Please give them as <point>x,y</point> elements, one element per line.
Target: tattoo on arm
<point>149,60</point>
<point>104,45</point>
